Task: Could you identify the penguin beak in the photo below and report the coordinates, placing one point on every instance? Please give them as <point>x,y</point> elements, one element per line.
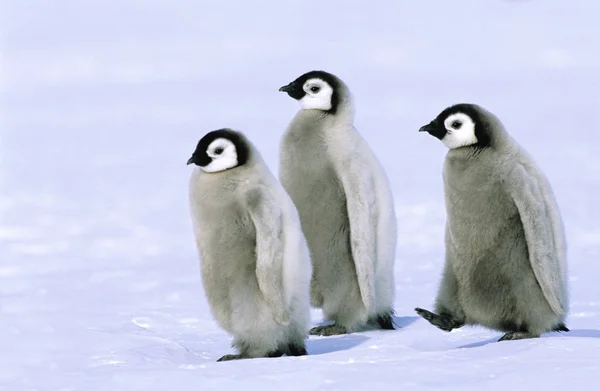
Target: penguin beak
<point>190,161</point>
<point>429,128</point>
<point>293,90</point>
<point>434,129</point>
<point>287,88</point>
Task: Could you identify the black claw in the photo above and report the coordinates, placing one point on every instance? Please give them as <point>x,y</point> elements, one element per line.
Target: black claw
<point>505,337</point>
<point>561,327</point>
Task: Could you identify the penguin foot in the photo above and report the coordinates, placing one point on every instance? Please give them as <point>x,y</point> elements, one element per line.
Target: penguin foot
<point>231,357</point>
<point>326,331</point>
<point>515,335</point>
<point>276,353</point>
<point>444,321</point>
<point>296,350</point>
<point>385,321</point>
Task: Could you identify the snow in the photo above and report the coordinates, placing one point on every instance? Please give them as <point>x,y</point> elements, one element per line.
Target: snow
<point>101,106</point>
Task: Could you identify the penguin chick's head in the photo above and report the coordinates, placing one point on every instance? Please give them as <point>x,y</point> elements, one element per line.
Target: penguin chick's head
<point>459,126</point>
<point>220,150</point>
<point>315,90</point>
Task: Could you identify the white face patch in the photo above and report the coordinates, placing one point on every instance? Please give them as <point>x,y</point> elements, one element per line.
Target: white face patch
<point>460,131</point>
<point>223,155</point>
<point>318,95</point>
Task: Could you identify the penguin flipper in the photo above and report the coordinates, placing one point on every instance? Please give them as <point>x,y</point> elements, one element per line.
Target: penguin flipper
<point>538,213</point>
<point>361,205</point>
<point>270,249</point>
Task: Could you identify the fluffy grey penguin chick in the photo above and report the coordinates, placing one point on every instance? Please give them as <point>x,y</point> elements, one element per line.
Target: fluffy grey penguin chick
<point>505,265</point>
<point>254,259</point>
<point>345,204</point>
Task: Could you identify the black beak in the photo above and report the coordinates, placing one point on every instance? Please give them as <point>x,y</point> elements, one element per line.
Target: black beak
<point>293,90</point>
<point>434,129</point>
<point>429,128</point>
<point>287,88</point>
<point>190,161</point>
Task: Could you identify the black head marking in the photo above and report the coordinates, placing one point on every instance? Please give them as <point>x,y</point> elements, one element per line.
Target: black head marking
<point>482,127</point>
<point>200,156</point>
<point>295,90</point>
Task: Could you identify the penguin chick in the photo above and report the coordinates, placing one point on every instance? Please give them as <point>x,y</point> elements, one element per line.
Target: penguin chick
<point>345,205</point>
<point>254,259</point>
<point>505,265</point>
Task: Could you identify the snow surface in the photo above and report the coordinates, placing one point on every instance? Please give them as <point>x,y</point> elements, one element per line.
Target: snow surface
<point>103,102</point>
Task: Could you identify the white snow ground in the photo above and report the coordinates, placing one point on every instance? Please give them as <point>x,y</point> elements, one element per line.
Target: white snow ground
<point>103,104</point>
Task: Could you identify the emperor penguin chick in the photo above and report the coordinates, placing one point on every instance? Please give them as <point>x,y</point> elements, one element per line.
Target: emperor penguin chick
<point>505,265</point>
<point>345,205</point>
<point>254,259</point>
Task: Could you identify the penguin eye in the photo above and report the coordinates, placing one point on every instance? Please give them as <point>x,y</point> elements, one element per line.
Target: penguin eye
<point>456,125</point>
<point>218,151</point>
<point>314,89</point>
